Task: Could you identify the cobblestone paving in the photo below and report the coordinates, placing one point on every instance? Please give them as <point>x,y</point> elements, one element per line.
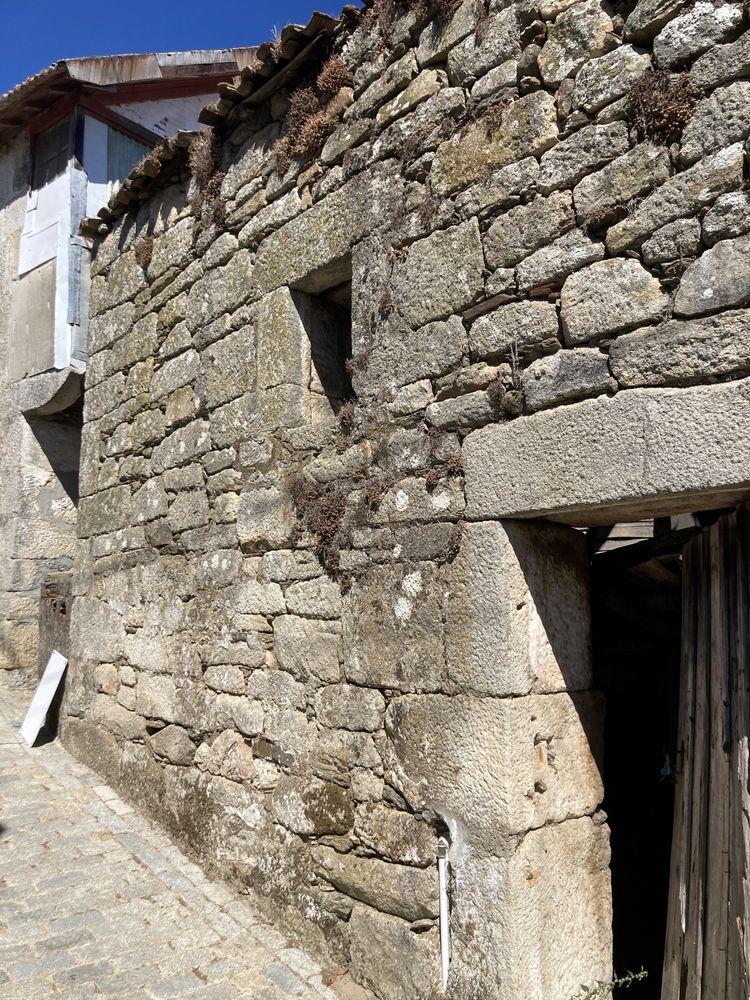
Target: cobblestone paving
<point>97,902</point>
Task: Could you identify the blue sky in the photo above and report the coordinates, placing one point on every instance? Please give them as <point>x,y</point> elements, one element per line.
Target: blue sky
<point>35,33</point>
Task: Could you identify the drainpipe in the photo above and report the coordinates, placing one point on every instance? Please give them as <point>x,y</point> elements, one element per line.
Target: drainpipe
<point>445,934</point>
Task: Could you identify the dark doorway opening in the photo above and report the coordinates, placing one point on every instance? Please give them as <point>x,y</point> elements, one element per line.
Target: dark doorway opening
<point>636,644</point>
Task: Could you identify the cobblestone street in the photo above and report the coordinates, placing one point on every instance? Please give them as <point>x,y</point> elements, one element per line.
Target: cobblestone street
<point>95,901</point>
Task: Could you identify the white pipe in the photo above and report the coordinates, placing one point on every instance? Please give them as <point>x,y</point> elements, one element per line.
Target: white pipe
<point>445,934</point>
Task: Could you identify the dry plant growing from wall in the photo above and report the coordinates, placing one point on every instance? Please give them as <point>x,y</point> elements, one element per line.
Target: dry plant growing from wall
<point>384,13</point>
<point>333,75</point>
<point>204,156</point>
<point>144,250</point>
<point>661,104</point>
<point>307,128</point>
<point>321,508</point>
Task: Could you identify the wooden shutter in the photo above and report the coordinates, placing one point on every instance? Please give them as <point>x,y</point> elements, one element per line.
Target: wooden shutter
<point>707,955</point>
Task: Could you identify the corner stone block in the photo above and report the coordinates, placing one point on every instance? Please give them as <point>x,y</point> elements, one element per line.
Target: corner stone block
<point>520,924</point>
<point>283,344</point>
<point>517,615</point>
<point>496,767</point>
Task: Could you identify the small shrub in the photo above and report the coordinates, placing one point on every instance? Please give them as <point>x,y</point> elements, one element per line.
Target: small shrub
<point>496,393</point>
<point>312,136</point>
<point>306,129</point>
<point>411,147</point>
<point>432,479</point>
<point>513,403</point>
<point>482,19</point>
<point>375,489</point>
<point>282,158</point>
<point>204,156</point>
<point>428,209</point>
<point>454,465</point>
<point>303,105</point>
<point>321,509</point>
<point>515,366</point>
<point>333,75</point>
<point>144,251</point>
<point>494,117</point>
<point>661,104</point>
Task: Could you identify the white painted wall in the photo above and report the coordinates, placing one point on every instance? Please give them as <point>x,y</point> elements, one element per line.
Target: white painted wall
<point>46,213</point>
<point>167,117</point>
<point>95,163</point>
<point>52,212</point>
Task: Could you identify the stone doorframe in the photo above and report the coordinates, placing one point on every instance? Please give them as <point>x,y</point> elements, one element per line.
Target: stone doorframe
<point>509,760</point>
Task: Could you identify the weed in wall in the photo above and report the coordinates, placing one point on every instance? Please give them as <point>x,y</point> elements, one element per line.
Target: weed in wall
<point>307,127</point>
<point>334,75</point>
<point>602,990</point>
<point>661,104</point>
<point>144,250</point>
<point>383,14</point>
<point>203,157</point>
<point>321,509</point>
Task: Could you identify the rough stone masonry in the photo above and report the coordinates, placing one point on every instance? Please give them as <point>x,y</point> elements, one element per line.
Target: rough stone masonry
<point>440,281</point>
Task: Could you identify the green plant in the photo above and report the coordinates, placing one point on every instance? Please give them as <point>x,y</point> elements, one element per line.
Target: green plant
<point>661,104</point>
<point>601,990</point>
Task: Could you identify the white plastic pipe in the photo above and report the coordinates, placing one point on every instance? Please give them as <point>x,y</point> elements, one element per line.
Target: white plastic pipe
<point>445,933</point>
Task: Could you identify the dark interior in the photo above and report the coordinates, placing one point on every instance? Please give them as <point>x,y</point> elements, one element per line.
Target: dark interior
<point>636,633</point>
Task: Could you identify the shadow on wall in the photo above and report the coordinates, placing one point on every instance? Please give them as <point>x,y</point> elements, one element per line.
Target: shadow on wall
<point>555,568</point>
<point>327,321</point>
<point>59,437</point>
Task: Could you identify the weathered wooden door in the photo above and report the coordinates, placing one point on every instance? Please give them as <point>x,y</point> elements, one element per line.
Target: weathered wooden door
<point>707,954</point>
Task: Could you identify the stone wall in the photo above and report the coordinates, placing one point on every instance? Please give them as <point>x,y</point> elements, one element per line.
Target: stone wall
<point>307,634</point>
<point>37,514</point>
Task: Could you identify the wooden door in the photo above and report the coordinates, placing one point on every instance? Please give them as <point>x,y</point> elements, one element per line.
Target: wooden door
<point>707,954</point>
